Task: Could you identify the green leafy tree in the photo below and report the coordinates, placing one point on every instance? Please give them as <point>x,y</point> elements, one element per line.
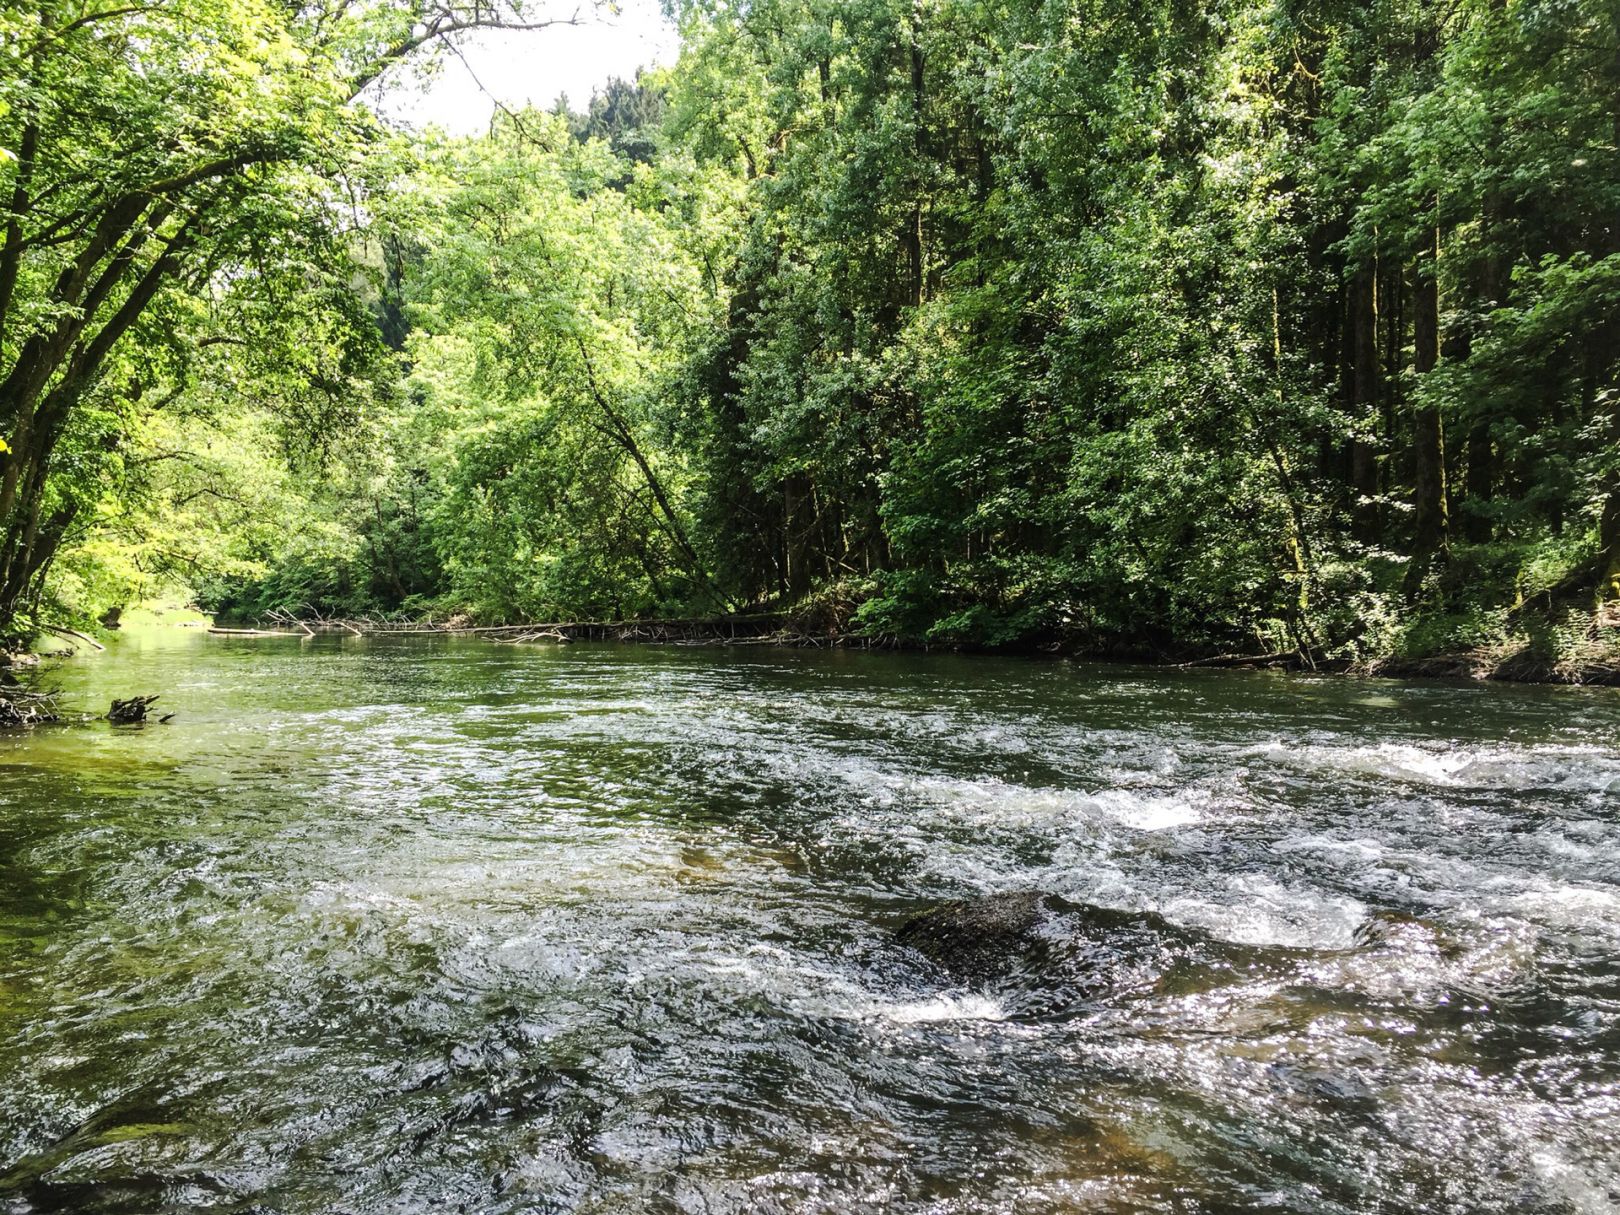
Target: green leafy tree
<point>158,150</point>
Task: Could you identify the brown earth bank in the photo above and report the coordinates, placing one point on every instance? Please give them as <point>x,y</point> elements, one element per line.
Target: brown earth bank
<point>1520,667</point>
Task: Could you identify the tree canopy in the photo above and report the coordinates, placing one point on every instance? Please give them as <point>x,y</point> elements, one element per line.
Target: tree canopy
<point>1244,324</point>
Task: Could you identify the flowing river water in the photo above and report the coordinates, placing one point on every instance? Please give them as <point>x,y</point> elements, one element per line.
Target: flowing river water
<point>420,925</point>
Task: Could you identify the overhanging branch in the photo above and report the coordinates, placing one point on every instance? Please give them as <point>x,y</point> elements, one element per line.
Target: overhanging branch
<point>447,23</point>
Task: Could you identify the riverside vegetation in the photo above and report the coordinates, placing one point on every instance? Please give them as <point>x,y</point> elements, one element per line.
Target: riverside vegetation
<point>1186,328</point>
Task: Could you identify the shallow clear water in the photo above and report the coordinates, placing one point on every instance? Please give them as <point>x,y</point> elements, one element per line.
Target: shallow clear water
<point>401,924</point>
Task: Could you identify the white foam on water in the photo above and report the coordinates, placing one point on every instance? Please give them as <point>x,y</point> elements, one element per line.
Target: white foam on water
<point>1352,853</point>
<point>1588,1194</point>
<point>354,897</point>
<point>1084,877</point>
<point>810,988</point>
<point>1568,907</point>
<point>1151,813</point>
<point>1141,762</point>
<point>1393,761</point>
<point>1583,768</point>
<point>943,1008</point>
<point>993,802</point>
<point>1259,910</point>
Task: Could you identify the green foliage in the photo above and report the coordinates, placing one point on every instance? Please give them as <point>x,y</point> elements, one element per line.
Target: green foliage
<point>1257,326</point>
<point>180,175</point>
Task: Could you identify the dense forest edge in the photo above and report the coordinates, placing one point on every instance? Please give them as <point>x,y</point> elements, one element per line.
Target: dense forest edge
<point>1194,331</point>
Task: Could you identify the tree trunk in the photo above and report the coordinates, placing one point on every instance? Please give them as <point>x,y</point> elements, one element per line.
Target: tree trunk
<point>1431,528</point>
<point>1364,390</point>
<point>1479,479</point>
<point>1602,354</point>
<point>1478,483</point>
<point>1392,316</point>
<point>914,230</point>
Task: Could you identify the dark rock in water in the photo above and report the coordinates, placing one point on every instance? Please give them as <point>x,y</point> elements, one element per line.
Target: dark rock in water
<point>1401,932</point>
<point>1041,953</point>
<point>980,939</point>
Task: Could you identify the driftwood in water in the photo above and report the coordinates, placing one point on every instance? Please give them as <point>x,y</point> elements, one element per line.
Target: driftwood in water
<point>26,709</point>
<point>450,630</point>
<point>133,712</point>
<point>259,633</point>
<point>1279,657</point>
<point>534,634</point>
<point>289,620</point>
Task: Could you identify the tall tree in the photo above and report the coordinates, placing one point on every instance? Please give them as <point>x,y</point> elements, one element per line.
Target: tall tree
<point>152,148</point>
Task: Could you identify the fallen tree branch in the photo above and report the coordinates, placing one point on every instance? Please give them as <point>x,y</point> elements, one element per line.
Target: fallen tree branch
<point>74,634</point>
<point>1244,660</point>
<point>27,709</point>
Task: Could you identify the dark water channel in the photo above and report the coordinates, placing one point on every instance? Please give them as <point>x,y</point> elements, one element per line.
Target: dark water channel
<point>399,925</point>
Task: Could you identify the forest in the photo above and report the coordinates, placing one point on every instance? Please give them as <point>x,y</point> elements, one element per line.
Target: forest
<point>1179,328</point>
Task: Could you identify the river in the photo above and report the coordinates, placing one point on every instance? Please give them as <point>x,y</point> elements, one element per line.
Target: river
<point>417,924</point>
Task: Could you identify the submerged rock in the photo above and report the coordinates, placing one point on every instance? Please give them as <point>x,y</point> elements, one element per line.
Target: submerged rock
<point>980,939</point>
<point>1040,953</point>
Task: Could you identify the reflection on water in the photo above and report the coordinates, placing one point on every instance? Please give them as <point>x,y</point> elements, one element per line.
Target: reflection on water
<point>383,925</point>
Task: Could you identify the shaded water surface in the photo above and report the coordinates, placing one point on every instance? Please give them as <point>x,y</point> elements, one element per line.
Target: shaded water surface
<point>387,925</point>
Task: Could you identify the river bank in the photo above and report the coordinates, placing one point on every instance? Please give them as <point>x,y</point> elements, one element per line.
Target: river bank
<point>1597,669</point>
<point>1591,662</point>
<point>1567,658</point>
